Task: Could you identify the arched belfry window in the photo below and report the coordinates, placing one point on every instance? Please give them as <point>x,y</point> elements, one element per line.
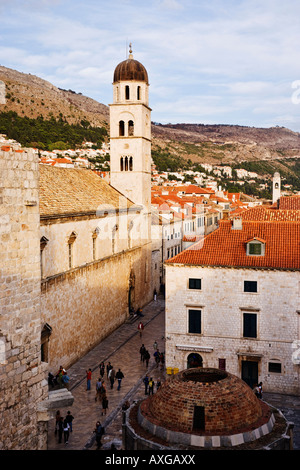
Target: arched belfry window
<point>130,163</point>
<point>126,163</point>
<point>138,93</point>
<point>121,164</point>
<point>121,128</point>
<point>127,92</point>
<point>130,128</point>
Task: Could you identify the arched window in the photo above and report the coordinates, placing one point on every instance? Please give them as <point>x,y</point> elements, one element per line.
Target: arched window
<point>43,243</point>
<point>130,164</point>
<point>126,163</point>
<point>71,241</point>
<point>94,238</point>
<point>138,93</point>
<point>121,164</point>
<point>130,128</point>
<point>121,128</point>
<point>127,93</point>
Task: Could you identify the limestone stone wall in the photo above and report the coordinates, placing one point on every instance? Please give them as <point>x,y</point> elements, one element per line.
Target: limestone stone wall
<point>84,305</point>
<point>222,302</point>
<point>22,384</point>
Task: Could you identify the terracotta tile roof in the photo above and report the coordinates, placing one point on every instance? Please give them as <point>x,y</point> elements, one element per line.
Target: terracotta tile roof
<point>289,202</point>
<point>66,191</point>
<point>227,247</point>
<point>270,213</point>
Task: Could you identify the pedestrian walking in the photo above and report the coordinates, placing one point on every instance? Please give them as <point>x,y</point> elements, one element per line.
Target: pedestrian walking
<point>142,352</point>
<point>60,429</point>
<point>141,328</point>
<point>119,377</point>
<point>155,345</point>
<point>158,384</point>
<point>70,419</point>
<point>104,403</point>
<point>147,357</point>
<point>98,389</point>
<point>108,367</point>
<point>154,294</point>
<point>99,431</point>
<point>66,431</point>
<point>162,360</point>
<point>102,369</point>
<point>151,386</point>
<point>111,376</point>
<point>88,379</point>
<point>57,419</point>
<point>146,383</point>
<point>157,357</point>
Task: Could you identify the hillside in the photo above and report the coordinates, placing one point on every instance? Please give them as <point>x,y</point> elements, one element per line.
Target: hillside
<point>34,97</point>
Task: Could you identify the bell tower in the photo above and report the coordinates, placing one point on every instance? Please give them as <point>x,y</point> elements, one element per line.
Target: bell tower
<point>130,133</point>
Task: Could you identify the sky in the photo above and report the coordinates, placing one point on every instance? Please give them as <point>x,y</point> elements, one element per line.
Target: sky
<point>209,62</point>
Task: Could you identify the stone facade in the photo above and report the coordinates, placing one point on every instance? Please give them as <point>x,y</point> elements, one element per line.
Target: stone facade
<point>22,373</point>
<point>222,303</point>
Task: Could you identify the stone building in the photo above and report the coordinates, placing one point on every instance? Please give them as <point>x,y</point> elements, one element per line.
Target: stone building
<point>75,260</point>
<point>232,300</point>
<point>22,373</point>
<point>93,261</point>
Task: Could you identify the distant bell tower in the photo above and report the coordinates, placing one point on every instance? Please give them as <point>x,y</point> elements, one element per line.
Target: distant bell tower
<point>276,187</point>
<point>130,132</point>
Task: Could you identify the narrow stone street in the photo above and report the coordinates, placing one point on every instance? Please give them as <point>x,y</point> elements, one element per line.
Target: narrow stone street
<point>121,348</point>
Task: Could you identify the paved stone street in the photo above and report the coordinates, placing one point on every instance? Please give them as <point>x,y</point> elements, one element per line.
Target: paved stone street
<point>121,348</point>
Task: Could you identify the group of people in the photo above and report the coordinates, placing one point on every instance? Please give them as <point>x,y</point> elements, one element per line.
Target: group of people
<point>159,357</point>
<point>101,390</point>
<point>149,385</point>
<point>61,378</point>
<point>63,426</point>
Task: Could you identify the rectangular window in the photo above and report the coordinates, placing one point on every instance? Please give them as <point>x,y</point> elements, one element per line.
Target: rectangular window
<point>194,283</point>
<point>250,286</point>
<point>255,249</point>
<point>195,321</point>
<point>250,325</point>
<point>222,364</point>
<point>275,367</point>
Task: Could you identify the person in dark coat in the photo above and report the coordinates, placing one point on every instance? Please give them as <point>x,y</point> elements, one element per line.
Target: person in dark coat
<point>99,431</point>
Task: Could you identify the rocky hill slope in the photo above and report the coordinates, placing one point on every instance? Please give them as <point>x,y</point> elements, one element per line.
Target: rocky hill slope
<point>31,96</point>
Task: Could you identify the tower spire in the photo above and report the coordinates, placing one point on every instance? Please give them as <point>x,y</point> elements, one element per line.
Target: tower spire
<point>130,51</point>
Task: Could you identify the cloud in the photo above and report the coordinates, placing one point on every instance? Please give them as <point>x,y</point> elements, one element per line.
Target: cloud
<point>235,60</point>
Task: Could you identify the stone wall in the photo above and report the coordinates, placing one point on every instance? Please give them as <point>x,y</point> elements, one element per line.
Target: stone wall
<point>84,305</point>
<point>22,384</point>
<point>222,302</point>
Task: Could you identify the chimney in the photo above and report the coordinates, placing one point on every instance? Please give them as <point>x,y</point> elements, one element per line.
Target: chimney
<point>237,223</point>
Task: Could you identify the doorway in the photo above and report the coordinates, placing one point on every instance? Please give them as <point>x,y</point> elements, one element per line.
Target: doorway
<point>250,373</point>
<point>194,360</point>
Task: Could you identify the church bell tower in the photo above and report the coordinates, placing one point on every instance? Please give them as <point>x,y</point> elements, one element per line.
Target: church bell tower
<point>130,133</point>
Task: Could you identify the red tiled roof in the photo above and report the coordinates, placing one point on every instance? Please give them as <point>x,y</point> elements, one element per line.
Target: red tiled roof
<point>270,213</point>
<point>227,247</point>
<point>289,202</point>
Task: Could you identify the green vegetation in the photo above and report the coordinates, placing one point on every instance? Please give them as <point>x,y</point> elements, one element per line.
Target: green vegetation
<point>49,134</point>
<point>165,161</point>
